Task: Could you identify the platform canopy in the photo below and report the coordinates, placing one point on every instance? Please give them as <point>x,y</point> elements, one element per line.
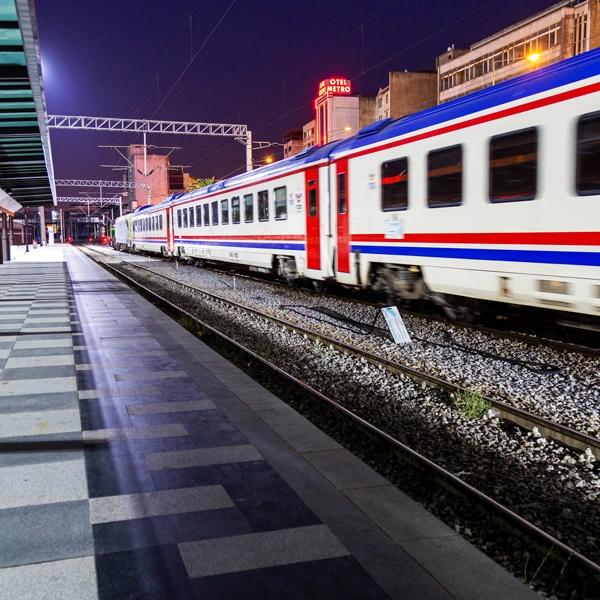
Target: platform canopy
<point>26,172</point>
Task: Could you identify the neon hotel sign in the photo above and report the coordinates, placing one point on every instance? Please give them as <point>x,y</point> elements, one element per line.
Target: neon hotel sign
<point>334,86</point>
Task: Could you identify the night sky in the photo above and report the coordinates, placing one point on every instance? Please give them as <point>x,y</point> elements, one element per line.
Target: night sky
<point>261,66</point>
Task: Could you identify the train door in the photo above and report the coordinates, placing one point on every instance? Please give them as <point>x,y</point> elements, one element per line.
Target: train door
<point>313,225</point>
<point>342,216</point>
<point>169,231</point>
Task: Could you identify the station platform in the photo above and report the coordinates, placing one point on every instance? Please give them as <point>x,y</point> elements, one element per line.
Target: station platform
<point>135,462</point>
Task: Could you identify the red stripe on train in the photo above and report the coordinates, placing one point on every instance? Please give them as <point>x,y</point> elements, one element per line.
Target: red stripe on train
<point>558,238</point>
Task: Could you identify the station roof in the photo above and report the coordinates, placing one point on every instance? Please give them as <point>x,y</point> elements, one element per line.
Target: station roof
<point>26,172</point>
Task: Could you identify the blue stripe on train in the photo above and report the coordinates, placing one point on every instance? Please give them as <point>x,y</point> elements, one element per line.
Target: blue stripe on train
<point>588,259</point>
<point>261,245</point>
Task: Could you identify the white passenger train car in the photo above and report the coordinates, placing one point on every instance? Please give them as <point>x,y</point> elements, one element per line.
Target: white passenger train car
<point>495,196</point>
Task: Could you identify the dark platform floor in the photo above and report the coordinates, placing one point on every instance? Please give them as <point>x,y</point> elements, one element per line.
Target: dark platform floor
<point>137,463</point>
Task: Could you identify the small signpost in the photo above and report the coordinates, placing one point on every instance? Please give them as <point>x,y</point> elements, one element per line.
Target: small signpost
<point>396,325</point>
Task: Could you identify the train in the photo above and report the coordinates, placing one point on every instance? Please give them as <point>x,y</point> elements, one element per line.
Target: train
<point>492,197</point>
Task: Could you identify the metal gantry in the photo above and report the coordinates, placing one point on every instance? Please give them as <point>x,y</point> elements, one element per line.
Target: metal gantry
<point>98,183</point>
<point>145,126</point>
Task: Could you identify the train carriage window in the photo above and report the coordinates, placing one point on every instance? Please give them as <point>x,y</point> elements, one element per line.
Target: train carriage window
<point>263,205</point>
<point>179,224</point>
<point>587,180</point>
<point>206,215</point>
<point>513,166</point>
<point>341,194</point>
<point>191,211</point>
<point>312,199</point>
<point>394,185</point>
<point>160,222</point>
<point>199,216</point>
<point>280,203</point>
<point>185,217</point>
<point>248,208</point>
<point>444,177</point>
<point>224,211</point>
<point>235,210</point>
<point>214,209</point>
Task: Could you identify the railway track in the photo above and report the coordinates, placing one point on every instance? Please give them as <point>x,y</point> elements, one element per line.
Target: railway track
<point>565,435</point>
<point>550,547</point>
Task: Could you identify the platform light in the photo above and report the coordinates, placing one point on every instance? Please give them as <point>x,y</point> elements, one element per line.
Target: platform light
<point>347,128</point>
<point>534,57</point>
<point>268,159</point>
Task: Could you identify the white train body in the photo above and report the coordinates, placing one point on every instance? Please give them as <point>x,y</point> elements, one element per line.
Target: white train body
<point>495,196</point>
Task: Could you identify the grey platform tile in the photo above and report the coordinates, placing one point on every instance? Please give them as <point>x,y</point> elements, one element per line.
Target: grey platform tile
<point>43,483</point>
<point>398,515</point>
<point>145,375</point>
<point>344,470</point>
<point>197,457</point>
<point>61,329</point>
<point>118,392</point>
<point>4,353</point>
<point>38,386</point>
<point>157,408</point>
<point>38,423</point>
<point>33,534</point>
<point>53,319</point>
<point>136,433</point>
<point>297,431</point>
<point>260,550</point>
<point>109,509</point>
<point>39,361</point>
<point>39,343</point>
<point>69,579</point>
<point>253,393</point>
<point>466,572</point>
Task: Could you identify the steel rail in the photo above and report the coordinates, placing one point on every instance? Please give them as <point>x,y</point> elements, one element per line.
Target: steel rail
<point>413,456</point>
<point>556,431</point>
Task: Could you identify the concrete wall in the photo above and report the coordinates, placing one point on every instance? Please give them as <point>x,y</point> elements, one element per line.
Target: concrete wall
<point>411,92</point>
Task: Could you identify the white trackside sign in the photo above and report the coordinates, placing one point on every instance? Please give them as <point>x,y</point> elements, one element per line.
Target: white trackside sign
<point>396,325</point>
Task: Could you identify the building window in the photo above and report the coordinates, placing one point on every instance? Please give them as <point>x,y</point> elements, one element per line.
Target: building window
<point>280,203</point>
<point>206,216</point>
<point>587,180</point>
<point>224,211</point>
<point>199,215</point>
<point>235,210</point>
<point>341,194</point>
<point>248,208</point>
<point>263,205</point>
<point>215,212</point>
<point>444,177</point>
<point>513,166</point>
<point>394,185</point>
<point>191,210</point>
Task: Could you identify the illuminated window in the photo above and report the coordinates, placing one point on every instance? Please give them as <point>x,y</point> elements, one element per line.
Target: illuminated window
<point>224,212</point>
<point>199,216</point>
<point>214,206</point>
<point>513,166</point>
<point>588,155</point>
<point>191,211</point>
<point>235,210</point>
<point>280,203</point>
<point>444,177</point>
<point>394,185</point>
<point>263,205</point>
<point>179,218</point>
<point>248,208</point>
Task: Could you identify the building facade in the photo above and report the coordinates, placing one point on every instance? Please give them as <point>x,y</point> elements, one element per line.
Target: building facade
<point>292,142</point>
<point>308,134</point>
<point>405,93</point>
<point>559,32</point>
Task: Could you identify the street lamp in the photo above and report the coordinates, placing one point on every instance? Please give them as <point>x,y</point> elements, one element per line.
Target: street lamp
<point>533,58</point>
